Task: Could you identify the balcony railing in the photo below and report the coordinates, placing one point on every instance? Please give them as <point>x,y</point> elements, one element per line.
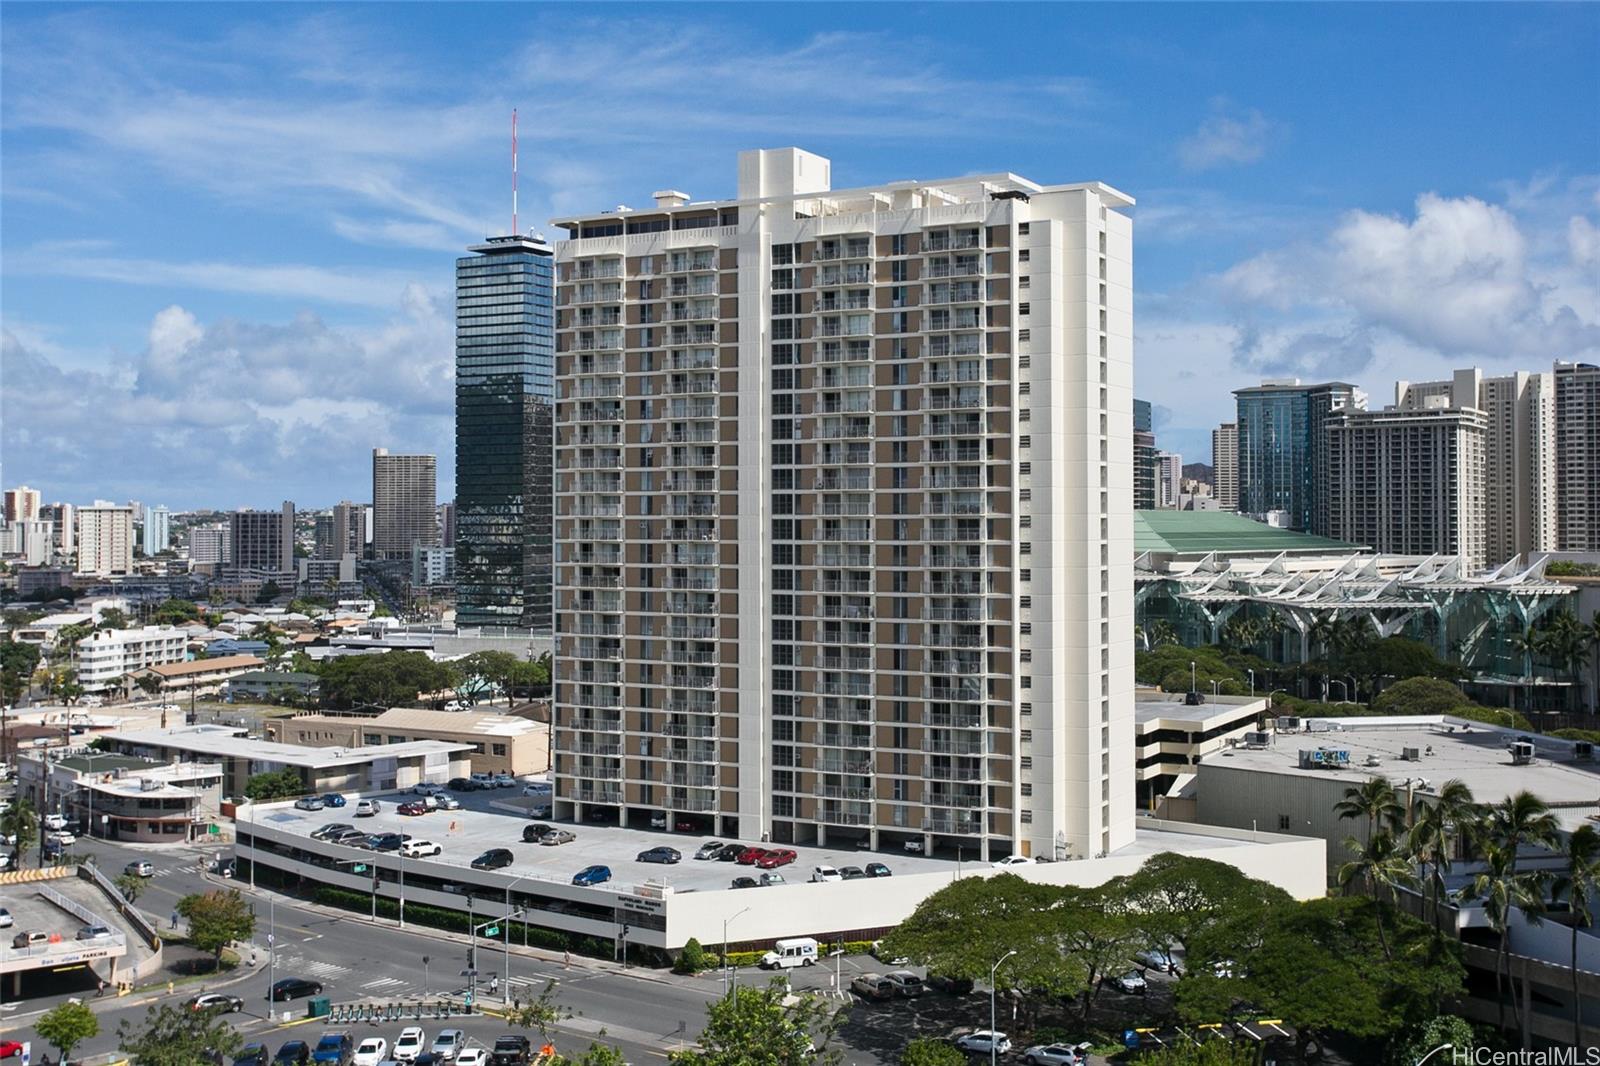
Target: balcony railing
<point>845,688</point>
<point>827,711</point>
<point>955,721</point>
<point>689,729</point>
<point>844,610</point>
<point>691,705</point>
<point>598,795</point>
<point>827,764</point>
<point>957,825</point>
<point>953,746</point>
<point>691,803</point>
<point>834,816</point>
<point>682,680</point>
<point>597,629</point>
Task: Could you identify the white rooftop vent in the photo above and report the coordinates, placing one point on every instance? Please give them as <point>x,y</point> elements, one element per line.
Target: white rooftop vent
<point>670,198</point>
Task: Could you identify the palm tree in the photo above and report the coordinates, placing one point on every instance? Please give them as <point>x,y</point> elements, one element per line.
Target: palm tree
<point>1161,632</point>
<point>1594,644</point>
<point>1567,643</point>
<point>1578,883</point>
<point>1503,888</point>
<point>1530,644</point>
<point>1433,835</point>
<point>1522,819</point>
<point>1380,864</point>
<point>1375,800</point>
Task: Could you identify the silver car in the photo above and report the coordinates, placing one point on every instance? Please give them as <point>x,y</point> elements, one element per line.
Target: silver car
<point>448,1043</point>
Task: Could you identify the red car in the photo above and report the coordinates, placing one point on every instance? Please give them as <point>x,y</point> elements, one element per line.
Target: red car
<point>412,808</point>
<point>9,1049</point>
<point>775,858</point>
<point>750,856</point>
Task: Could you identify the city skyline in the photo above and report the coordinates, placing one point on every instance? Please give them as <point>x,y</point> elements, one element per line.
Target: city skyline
<point>1283,230</point>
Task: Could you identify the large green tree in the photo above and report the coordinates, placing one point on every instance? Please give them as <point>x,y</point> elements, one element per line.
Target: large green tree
<point>756,1027</point>
<point>67,1026</point>
<point>171,1036</point>
<point>384,681</point>
<point>273,785</point>
<point>217,919</point>
<point>1173,898</point>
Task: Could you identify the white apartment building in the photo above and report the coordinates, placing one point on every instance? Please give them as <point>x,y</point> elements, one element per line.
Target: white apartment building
<point>1225,465</point>
<point>1521,516</point>
<point>210,544</point>
<point>1411,481</point>
<point>105,539</point>
<point>1169,478</point>
<point>157,531</point>
<point>102,659</point>
<point>844,512</point>
<point>21,504</point>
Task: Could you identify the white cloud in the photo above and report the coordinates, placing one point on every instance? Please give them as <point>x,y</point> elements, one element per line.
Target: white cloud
<point>1583,238</point>
<point>1227,136</point>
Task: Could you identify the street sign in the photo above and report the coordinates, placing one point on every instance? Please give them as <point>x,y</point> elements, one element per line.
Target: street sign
<point>493,930</point>
<point>27,1052</point>
<point>359,868</point>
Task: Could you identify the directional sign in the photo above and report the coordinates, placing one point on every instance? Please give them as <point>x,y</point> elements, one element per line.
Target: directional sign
<point>359,868</point>
<point>493,930</point>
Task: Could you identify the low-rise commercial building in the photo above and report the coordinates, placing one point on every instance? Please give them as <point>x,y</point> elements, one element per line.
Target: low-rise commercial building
<point>102,660</point>
<point>501,744</point>
<point>124,797</point>
<point>367,768</point>
<point>1172,736</point>
<point>272,685</point>
<point>203,675</point>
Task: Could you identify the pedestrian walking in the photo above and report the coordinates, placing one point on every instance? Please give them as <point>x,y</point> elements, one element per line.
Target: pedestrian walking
<point>174,919</point>
<point>566,963</point>
<point>100,989</point>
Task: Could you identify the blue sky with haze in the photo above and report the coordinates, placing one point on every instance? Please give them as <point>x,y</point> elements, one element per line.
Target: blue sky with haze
<point>229,230</point>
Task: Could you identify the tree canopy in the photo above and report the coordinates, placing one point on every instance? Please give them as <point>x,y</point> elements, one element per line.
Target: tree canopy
<point>273,785</point>
<point>217,919</point>
<point>385,680</point>
<point>172,1036</point>
<point>67,1026</point>
<point>755,1027</point>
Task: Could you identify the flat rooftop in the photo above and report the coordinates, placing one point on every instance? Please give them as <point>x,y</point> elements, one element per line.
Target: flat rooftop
<point>1203,532</point>
<point>1447,748</point>
<point>229,742</point>
<point>1150,706</point>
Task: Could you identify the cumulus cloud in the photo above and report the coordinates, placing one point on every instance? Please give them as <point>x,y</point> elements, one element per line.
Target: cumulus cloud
<point>1228,136</point>
<point>265,409</point>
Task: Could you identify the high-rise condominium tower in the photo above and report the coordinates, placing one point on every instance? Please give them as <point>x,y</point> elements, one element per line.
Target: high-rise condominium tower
<point>157,532</point>
<point>1578,455</point>
<point>1225,465</point>
<point>21,504</point>
<point>262,540</point>
<point>403,498</point>
<point>844,512</point>
<point>1519,453</point>
<point>105,539</point>
<point>505,367</point>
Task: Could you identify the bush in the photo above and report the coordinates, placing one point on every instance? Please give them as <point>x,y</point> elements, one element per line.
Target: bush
<point>693,958</point>
<point>1591,735</point>
<point>925,1051</point>
<point>743,958</point>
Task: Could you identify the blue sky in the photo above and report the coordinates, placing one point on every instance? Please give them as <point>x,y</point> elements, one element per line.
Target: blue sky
<point>229,230</point>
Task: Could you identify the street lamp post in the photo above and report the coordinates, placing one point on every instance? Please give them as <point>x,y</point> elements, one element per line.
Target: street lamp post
<point>1252,674</point>
<point>1193,687</point>
<point>725,921</point>
<point>993,970</point>
<point>272,951</point>
<point>1215,687</point>
<point>509,887</point>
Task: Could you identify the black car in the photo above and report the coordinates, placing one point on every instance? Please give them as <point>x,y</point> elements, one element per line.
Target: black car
<point>511,1050</point>
<point>661,854</point>
<point>294,988</point>
<point>461,784</point>
<point>730,852</point>
<point>251,1055</point>
<point>877,869</point>
<point>746,882</point>
<point>293,1053</point>
<point>532,833</point>
<point>494,859</point>
<point>387,841</point>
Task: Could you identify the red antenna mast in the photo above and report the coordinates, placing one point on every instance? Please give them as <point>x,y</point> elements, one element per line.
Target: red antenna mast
<point>514,230</point>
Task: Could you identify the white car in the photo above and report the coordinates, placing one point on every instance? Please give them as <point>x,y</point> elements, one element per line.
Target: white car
<point>426,788</point>
<point>411,1042</point>
<point>414,849</point>
<point>538,788</point>
<point>1056,1055</point>
<point>820,874</point>
<point>367,808</point>
<point>370,1051</point>
<point>472,1056</point>
<point>504,781</point>
<point>62,837</point>
<point>447,1043</point>
<point>5,918</point>
<point>984,1040</point>
<point>55,821</point>
<point>1011,860</point>
<point>446,801</point>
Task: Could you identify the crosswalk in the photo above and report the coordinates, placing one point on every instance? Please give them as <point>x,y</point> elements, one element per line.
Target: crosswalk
<point>314,968</point>
<point>383,983</point>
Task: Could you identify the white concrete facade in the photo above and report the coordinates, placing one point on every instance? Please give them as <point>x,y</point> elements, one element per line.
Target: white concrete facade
<point>885,474</point>
<point>102,659</point>
<point>105,539</point>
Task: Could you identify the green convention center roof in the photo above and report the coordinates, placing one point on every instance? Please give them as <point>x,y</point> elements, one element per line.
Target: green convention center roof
<point>1203,532</point>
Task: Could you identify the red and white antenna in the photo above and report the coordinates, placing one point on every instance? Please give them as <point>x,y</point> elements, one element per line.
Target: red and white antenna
<point>514,230</point>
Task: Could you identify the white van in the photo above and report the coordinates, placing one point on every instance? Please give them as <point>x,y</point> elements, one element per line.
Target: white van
<point>800,951</point>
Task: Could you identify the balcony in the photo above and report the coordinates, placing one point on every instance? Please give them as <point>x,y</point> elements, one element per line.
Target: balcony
<point>851,352</point>
<point>841,739</point>
<point>845,455</point>
<point>582,748</point>
<point>683,533</point>
<point>843,533</point>
<point>586,675</point>
<point>963,401</point>
<point>589,318</point>
<point>691,582</point>
<point>695,335</point>
<point>848,302</point>
<point>689,729</point>
<point>699,310</point>
<point>854,404</point>
<point>592,462</point>
<point>593,412</point>
<point>852,557</point>
<point>848,481</point>
<point>693,287</point>
<point>962,690</point>
<point>945,452</point>
<point>959,267</point>
<point>594,390</point>
<point>960,531</point>
<point>692,508</point>
<point>597,773</point>
<point>690,803</point>
<point>691,605</point>
<point>691,434</point>
<point>696,386</point>
<point>689,657</point>
<point>691,778</point>
<point>604,340</point>
<point>960,825</point>
<point>688,680</point>
<point>944,347</point>
<point>597,268</point>
<point>933,798</point>
<point>610,364</point>
<point>587,724</point>
<point>954,746</point>
<point>678,263</point>
<point>957,479</point>
<point>605,294</point>
<point>858,586</point>
<point>608,651</point>
<point>601,484</point>
<point>691,409</point>
<point>845,507</point>
<point>954,613</point>
<point>955,720</point>
<point>692,555</point>
<point>583,509</point>
<point>603,699</point>
<point>844,792</point>
<point>965,292</point>
<point>949,241</point>
<point>679,630</point>
<point>844,610</point>
<point>840,816</point>
<point>845,429</point>
<point>611,796</point>
<point>587,580</point>
<point>943,638</point>
<point>850,274</point>
<point>693,704</point>
<point>835,711</point>
<point>850,687</point>
<point>597,629</point>
<point>833,764</point>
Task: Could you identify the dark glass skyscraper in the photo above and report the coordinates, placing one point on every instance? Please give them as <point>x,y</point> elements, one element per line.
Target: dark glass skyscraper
<point>1283,441</point>
<point>505,385</point>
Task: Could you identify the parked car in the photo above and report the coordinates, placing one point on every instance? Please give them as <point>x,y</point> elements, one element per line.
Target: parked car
<point>592,875</point>
<point>447,1043</point>
<point>347,837</point>
<point>513,1049</point>
<point>745,882</point>
<point>1057,1054</point>
<point>663,854</point>
<point>872,986</point>
<point>415,807</point>
<point>538,788</point>
<point>94,932</point>
<point>294,988</point>
<point>416,849</point>
<point>1157,959</point>
<point>292,1053</point>
<point>387,841</point>
<point>504,781</point>
<point>55,821</point>
<point>215,1001</point>
<point>424,788</point>
<point>309,803</point>
<point>1011,860</point>
<point>985,1041</point>
<point>905,983</point>
<point>825,873</point>
<point>335,1048</point>
<point>371,1051</point>
<point>532,833</point>
<point>708,850</point>
<point>30,940</point>
<point>750,856</point>
<point>332,829</point>
<point>252,1055</point>
<point>884,956</point>
<point>140,868</point>
<point>777,857</point>
<point>61,838</point>
<point>333,799</point>
<point>955,986</point>
<point>771,877</point>
<point>411,1042</point>
<point>1132,983</point>
<point>367,808</point>
<point>730,852</point>
<point>482,780</point>
<point>10,1049</point>
<point>472,1056</point>
<point>460,784</point>
<point>557,837</point>
<point>913,847</point>
<point>878,869</point>
<point>6,920</point>
<point>494,859</point>
<point>851,873</point>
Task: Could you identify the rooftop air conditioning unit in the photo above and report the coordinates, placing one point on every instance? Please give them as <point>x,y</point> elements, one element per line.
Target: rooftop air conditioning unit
<point>1410,754</point>
<point>1289,724</point>
<point>1583,750</point>
<point>1521,752</point>
<point>1257,740</point>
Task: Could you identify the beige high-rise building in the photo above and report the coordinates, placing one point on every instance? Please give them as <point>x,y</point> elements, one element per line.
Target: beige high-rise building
<point>1578,455</point>
<point>844,512</point>
<point>403,500</point>
<point>105,539</point>
<point>1410,480</point>
<point>1225,465</point>
<point>22,504</point>
<point>1519,454</point>
<point>262,540</point>
<point>341,532</point>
